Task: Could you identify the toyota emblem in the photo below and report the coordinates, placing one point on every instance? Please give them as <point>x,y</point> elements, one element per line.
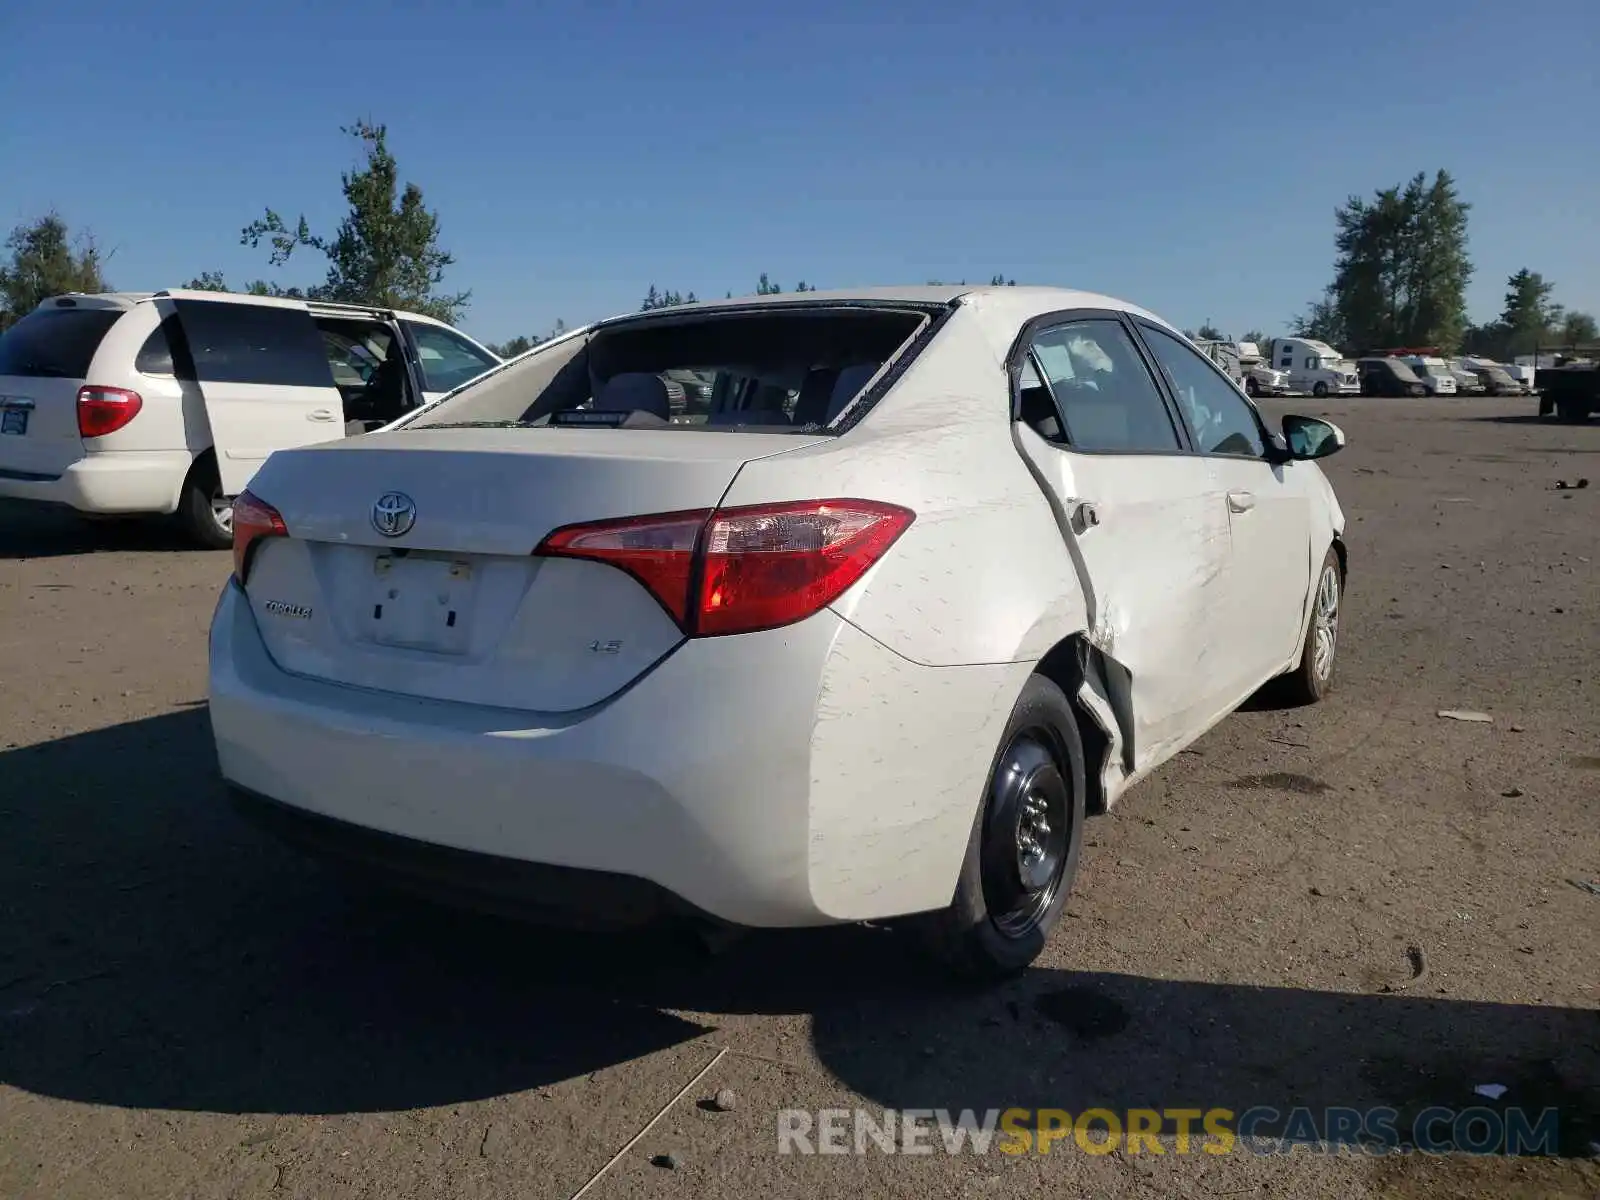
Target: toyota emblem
<point>394,514</point>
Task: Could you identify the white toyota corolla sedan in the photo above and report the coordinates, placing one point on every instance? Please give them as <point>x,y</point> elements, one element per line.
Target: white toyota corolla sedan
<point>859,627</point>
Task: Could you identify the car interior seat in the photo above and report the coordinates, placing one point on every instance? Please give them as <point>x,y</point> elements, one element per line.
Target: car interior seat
<point>816,391</point>
<point>850,381</point>
<point>383,398</point>
<point>636,391</point>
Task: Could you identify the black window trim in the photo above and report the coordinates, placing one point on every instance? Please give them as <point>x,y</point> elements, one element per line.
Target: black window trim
<point>1022,348</point>
<point>1269,441</point>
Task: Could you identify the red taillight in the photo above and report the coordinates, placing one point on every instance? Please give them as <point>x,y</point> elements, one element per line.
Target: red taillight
<point>738,570</point>
<point>253,519</point>
<point>658,551</point>
<point>103,410</point>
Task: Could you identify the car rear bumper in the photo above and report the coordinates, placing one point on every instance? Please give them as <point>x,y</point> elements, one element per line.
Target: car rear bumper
<point>111,483</point>
<point>802,776</point>
<point>465,878</point>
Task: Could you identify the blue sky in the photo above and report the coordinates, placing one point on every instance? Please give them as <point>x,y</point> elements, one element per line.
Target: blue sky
<point>1187,157</point>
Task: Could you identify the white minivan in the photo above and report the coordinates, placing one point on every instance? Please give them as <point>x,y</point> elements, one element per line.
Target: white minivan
<point>168,402</point>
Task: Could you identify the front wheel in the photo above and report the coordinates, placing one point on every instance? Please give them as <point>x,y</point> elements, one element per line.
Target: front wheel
<point>204,512</point>
<point>1022,855</point>
<point>1319,390</point>
<point>1252,388</point>
<point>1312,679</point>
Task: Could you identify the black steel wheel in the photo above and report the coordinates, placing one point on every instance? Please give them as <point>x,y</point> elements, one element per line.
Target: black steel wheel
<point>1027,832</point>
<point>1022,853</point>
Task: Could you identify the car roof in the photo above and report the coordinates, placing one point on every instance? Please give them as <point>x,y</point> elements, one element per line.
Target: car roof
<point>127,300</point>
<point>1000,309</point>
<point>1038,299</point>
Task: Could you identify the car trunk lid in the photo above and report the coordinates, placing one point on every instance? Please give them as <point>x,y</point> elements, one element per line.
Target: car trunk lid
<point>454,605</point>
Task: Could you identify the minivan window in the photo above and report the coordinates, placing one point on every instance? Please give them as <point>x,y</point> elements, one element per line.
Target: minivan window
<point>254,343</point>
<point>448,360</point>
<point>165,353</point>
<point>55,343</point>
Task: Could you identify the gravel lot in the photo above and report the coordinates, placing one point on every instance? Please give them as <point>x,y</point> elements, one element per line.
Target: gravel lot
<point>187,1010</point>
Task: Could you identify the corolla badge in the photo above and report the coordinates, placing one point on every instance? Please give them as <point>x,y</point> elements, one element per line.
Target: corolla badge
<point>394,514</point>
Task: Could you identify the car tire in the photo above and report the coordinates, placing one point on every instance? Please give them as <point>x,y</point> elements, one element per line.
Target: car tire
<point>1319,390</point>
<point>1313,677</point>
<point>1252,388</point>
<point>1022,855</point>
<point>206,519</point>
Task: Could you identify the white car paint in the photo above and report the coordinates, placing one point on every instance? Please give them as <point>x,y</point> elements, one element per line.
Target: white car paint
<point>826,770</point>
<point>142,466</point>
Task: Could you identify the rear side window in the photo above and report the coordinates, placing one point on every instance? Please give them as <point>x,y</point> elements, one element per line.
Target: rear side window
<point>1107,399</point>
<point>254,343</point>
<point>55,343</point>
<point>165,353</point>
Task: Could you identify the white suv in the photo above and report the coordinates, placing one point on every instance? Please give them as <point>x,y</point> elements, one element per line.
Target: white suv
<point>168,402</point>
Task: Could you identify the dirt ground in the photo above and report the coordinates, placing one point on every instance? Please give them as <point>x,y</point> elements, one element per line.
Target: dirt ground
<point>1355,904</point>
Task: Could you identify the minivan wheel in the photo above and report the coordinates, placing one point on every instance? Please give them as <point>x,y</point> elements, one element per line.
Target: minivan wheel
<point>204,512</point>
<point>1022,854</point>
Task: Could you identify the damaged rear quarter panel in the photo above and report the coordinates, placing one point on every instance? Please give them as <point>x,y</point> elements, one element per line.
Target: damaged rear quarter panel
<point>899,757</point>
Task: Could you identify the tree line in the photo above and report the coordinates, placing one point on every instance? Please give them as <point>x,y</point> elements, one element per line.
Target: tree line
<point>1400,271</point>
<point>1400,274</point>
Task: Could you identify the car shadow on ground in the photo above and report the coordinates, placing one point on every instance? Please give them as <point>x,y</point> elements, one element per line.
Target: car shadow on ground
<point>34,531</point>
<point>1513,419</point>
<point>158,953</point>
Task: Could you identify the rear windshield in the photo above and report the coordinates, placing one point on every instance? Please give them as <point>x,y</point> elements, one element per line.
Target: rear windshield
<point>55,343</point>
<point>766,371</point>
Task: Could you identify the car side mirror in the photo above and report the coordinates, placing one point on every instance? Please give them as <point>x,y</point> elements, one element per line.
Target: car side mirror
<point>1309,438</point>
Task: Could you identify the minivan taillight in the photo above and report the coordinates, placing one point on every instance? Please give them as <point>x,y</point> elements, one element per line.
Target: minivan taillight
<point>739,570</point>
<point>253,519</point>
<point>103,410</point>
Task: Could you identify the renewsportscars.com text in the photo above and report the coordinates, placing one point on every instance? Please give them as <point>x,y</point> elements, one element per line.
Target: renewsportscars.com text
<point>1258,1130</point>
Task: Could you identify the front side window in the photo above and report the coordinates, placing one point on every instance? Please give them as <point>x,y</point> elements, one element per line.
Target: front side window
<point>1221,419</point>
<point>1104,395</point>
<point>354,359</point>
<point>448,359</point>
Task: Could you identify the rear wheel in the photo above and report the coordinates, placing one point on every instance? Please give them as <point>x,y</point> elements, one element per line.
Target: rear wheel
<point>1023,851</point>
<point>1313,678</point>
<point>204,512</point>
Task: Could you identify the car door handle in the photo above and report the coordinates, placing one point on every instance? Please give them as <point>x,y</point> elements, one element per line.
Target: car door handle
<point>320,414</point>
<point>1241,501</point>
<point>1085,515</point>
